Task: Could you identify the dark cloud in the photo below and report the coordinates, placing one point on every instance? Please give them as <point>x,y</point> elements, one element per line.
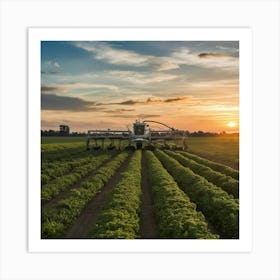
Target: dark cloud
<point>50,72</point>
<point>126,102</point>
<point>55,102</point>
<point>47,89</point>
<point>119,111</point>
<point>175,99</point>
<point>150,100</point>
<point>212,55</point>
<point>131,116</point>
<point>129,102</point>
<point>144,116</point>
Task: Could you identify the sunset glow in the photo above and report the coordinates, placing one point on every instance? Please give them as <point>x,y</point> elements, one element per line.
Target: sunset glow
<point>99,85</point>
<point>231,124</point>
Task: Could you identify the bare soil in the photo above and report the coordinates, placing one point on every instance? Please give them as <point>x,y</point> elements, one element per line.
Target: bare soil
<point>83,224</point>
<point>148,225</point>
<point>212,229</point>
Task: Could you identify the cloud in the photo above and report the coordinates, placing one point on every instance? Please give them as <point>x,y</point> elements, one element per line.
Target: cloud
<point>50,101</point>
<point>228,49</point>
<point>230,83</point>
<point>175,99</point>
<point>128,102</point>
<point>55,102</point>
<point>52,63</point>
<point>120,111</point>
<point>166,65</point>
<point>137,116</point>
<point>205,60</point>
<point>105,52</point>
<point>50,72</point>
<point>144,116</point>
<point>72,86</point>
<point>141,77</point>
<point>211,55</point>
<point>46,89</point>
<point>182,56</point>
<point>149,101</point>
<point>50,68</point>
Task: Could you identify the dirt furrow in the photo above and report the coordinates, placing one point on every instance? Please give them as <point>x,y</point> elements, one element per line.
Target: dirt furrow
<point>81,227</point>
<point>148,225</point>
<point>66,192</point>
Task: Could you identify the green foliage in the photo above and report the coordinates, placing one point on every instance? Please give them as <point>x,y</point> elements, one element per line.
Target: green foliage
<point>68,209</point>
<point>227,183</point>
<point>54,147</point>
<point>62,151</point>
<point>52,169</point>
<point>220,209</point>
<point>62,139</point>
<point>50,228</point>
<point>52,189</point>
<point>176,214</point>
<point>45,178</point>
<point>213,165</point>
<point>120,215</point>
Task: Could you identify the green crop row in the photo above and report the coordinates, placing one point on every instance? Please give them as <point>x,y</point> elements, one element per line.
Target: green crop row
<point>52,189</point>
<point>219,208</point>
<point>214,165</point>
<point>57,219</point>
<point>176,214</point>
<point>120,215</point>
<point>54,147</point>
<point>227,183</point>
<point>62,152</point>
<point>53,169</point>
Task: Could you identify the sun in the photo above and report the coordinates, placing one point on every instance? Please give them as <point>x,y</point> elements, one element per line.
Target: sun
<point>231,124</point>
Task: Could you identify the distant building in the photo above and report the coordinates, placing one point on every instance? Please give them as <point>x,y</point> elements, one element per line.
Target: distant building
<point>64,129</point>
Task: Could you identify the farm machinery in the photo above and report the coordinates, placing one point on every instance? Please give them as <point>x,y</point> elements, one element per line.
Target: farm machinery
<point>142,136</point>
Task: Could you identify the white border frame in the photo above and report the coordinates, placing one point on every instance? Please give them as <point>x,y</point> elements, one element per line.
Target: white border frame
<point>243,35</point>
<point>263,17</point>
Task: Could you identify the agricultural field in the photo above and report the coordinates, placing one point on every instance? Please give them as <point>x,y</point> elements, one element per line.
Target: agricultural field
<point>119,194</point>
<point>62,139</point>
<point>223,149</point>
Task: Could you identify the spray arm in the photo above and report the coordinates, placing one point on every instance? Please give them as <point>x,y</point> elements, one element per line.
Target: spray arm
<point>145,121</point>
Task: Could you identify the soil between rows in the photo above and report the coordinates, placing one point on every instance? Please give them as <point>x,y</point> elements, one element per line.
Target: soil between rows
<point>83,224</point>
<point>148,225</point>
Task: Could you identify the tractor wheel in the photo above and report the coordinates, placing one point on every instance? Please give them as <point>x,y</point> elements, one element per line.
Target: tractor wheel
<point>130,148</point>
<point>139,146</point>
<point>150,147</point>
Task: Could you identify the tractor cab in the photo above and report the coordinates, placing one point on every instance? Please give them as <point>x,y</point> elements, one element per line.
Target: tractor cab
<point>139,128</point>
<point>140,133</point>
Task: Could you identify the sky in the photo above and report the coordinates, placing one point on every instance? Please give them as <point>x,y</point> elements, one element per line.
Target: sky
<point>190,85</point>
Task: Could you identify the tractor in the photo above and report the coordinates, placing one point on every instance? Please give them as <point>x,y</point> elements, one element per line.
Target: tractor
<point>142,136</point>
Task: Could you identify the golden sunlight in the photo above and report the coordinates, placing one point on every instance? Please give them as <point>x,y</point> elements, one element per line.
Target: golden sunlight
<point>231,124</point>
